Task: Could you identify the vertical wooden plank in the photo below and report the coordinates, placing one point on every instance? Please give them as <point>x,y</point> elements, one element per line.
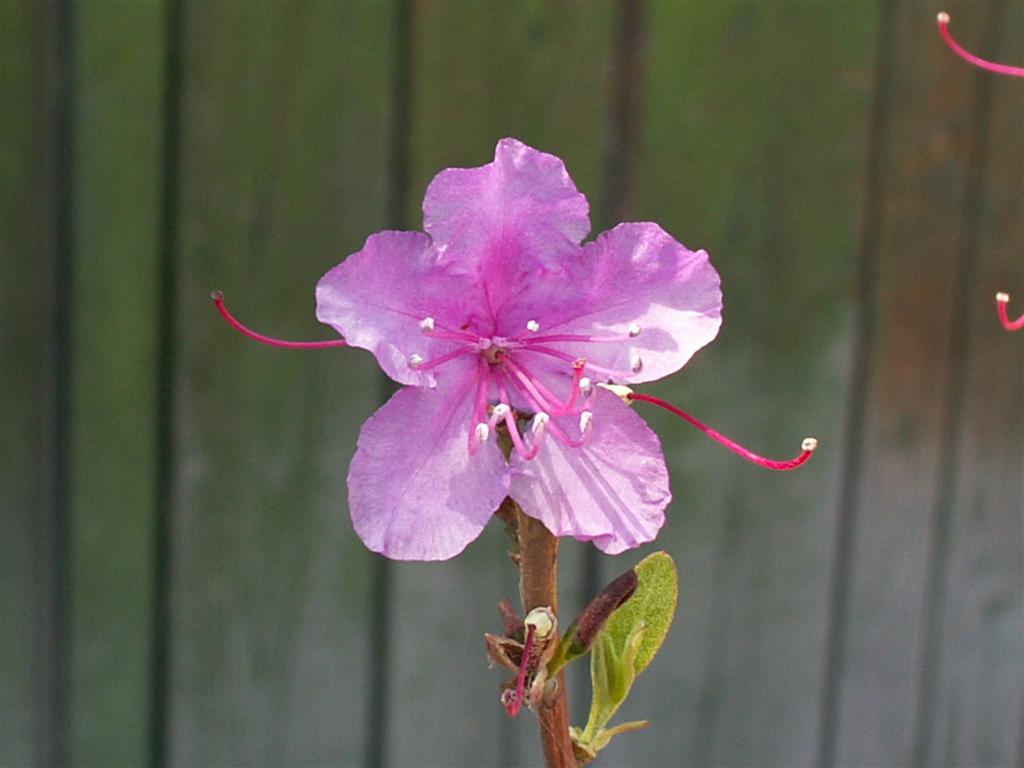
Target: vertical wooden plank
<point>914,439</point>
<point>117,142</point>
<point>283,173</point>
<point>752,147</point>
<point>483,71</point>
<point>23,281</point>
<point>970,712</point>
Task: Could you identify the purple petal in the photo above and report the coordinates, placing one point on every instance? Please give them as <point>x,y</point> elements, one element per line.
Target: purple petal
<point>518,212</point>
<point>634,273</point>
<point>377,298</point>
<point>613,490</point>
<point>414,490</point>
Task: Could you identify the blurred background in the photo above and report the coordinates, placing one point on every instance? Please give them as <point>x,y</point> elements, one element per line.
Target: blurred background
<point>180,581</point>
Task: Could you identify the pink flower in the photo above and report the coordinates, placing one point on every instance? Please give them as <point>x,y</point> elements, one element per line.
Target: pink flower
<point>505,332</point>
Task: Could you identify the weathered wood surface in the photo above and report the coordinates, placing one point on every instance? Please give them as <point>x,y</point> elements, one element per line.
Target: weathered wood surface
<point>857,186</point>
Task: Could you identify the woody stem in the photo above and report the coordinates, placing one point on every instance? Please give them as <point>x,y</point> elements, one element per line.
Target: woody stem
<point>538,587</point>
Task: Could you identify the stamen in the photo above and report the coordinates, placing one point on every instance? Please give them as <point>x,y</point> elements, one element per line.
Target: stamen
<point>598,369</point>
<point>636,364</point>
<point>218,300</point>
<point>427,324</point>
<point>963,53</point>
<point>585,386</point>
<point>417,364</point>
<point>482,431</point>
<point>634,330</point>
<point>515,704</point>
<point>807,447</point>
<point>532,326</point>
<point>1002,299</point>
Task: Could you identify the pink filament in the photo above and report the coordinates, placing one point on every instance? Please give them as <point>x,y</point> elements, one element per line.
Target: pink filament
<point>598,369</point>
<point>218,300</point>
<point>516,703</point>
<point>1004,317</point>
<point>443,359</point>
<point>722,439</point>
<point>991,66</point>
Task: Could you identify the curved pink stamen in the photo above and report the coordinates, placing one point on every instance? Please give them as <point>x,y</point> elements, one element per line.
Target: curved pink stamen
<point>516,703</point>
<point>598,369</point>
<point>963,53</point>
<point>218,300</point>
<point>808,447</point>
<point>524,452</point>
<point>552,403</point>
<point>1002,299</point>
<point>572,337</point>
<point>434,362</point>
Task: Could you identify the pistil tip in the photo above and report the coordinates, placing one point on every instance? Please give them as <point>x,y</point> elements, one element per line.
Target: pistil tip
<point>943,17</point>
<point>217,295</point>
<point>809,444</point>
<point>619,390</point>
<point>1003,298</point>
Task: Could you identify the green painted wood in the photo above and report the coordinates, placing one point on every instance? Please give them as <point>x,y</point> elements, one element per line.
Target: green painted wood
<point>483,71</point>
<point>23,281</point>
<point>283,166</point>
<point>935,587</point>
<point>752,147</point>
<point>118,133</point>
<point>977,711</point>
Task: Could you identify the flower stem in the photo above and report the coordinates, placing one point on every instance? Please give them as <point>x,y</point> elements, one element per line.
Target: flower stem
<point>538,586</point>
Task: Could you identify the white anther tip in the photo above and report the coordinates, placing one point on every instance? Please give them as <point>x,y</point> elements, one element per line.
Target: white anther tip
<point>636,364</point>
<point>1003,298</point>
<point>634,330</point>
<point>482,432</point>
<point>542,620</point>
<point>540,420</point>
<point>585,384</point>
<point>809,444</point>
<point>415,361</point>
<point>586,421</point>
<point>532,326</point>
<point>427,324</point>
<point>501,410</point>
<point>943,17</point>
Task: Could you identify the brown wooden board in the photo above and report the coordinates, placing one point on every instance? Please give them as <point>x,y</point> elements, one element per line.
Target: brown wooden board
<point>937,506</point>
<point>283,173</point>
<point>118,104</point>
<point>483,71</point>
<point>752,146</point>
<point>24,311</point>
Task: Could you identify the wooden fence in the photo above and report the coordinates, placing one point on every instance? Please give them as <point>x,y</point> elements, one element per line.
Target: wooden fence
<point>180,581</point>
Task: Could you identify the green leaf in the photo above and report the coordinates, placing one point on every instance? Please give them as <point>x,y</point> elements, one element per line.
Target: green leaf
<point>652,606</point>
<point>626,645</point>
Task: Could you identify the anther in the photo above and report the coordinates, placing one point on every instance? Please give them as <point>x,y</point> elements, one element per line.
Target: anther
<point>636,363</point>
<point>482,432</point>
<point>500,411</point>
<point>585,385</point>
<point>218,300</point>
<point>586,421</point>
<point>621,391</point>
<point>532,326</point>
<point>807,447</point>
<point>415,361</point>
<point>963,53</point>
<point>427,324</point>
<point>539,422</point>
<point>634,330</point>
<point>1002,299</point>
